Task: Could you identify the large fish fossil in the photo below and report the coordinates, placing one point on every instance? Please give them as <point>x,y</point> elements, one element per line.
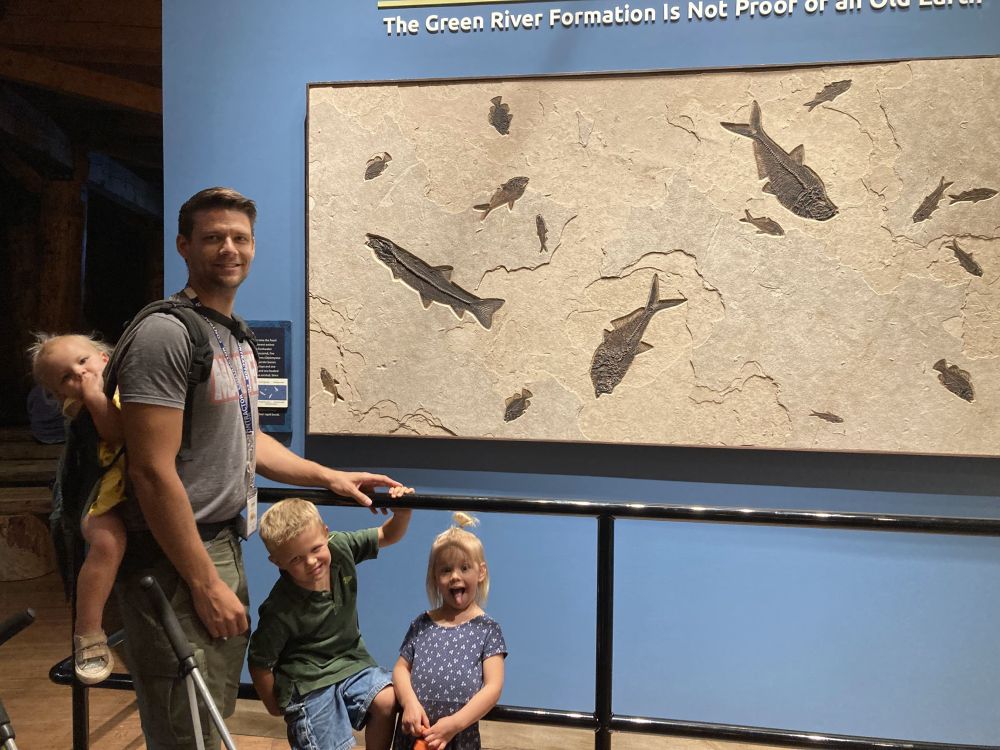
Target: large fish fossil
<point>615,353</point>
<point>432,283</point>
<point>795,185</point>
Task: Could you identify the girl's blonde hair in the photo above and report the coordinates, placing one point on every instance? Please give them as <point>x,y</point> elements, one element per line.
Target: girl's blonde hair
<point>44,341</point>
<point>465,542</point>
<point>286,519</point>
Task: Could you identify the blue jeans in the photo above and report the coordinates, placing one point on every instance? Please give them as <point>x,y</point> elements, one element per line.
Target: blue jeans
<point>324,718</point>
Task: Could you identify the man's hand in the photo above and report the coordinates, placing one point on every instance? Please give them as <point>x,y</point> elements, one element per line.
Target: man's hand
<point>353,484</point>
<point>220,609</point>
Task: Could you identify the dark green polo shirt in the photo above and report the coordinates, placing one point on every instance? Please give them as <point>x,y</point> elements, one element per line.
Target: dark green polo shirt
<point>311,639</point>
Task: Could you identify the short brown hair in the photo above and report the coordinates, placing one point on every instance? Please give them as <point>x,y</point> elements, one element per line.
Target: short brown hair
<point>214,197</point>
<point>287,519</point>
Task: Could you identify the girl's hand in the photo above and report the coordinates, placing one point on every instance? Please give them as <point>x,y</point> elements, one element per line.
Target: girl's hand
<point>442,733</point>
<point>415,721</point>
<point>90,386</point>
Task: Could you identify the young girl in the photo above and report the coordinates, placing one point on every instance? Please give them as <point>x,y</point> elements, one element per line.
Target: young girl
<point>450,668</point>
<point>71,367</point>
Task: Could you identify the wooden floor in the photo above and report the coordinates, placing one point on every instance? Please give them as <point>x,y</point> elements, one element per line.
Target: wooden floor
<point>40,711</point>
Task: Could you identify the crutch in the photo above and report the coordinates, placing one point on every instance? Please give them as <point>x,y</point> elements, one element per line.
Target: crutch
<point>8,629</point>
<point>188,666</point>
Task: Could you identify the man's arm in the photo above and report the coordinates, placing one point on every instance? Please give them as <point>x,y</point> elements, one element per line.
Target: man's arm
<point>153,436</point>
<point>276,462</point>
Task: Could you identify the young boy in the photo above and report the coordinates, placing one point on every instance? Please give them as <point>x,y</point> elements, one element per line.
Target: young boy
<point>307,659</point>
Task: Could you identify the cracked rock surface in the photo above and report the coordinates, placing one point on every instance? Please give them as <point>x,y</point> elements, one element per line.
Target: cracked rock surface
<point>635,177</point>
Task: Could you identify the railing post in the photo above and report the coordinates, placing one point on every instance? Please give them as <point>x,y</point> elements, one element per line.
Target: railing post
<point>605,623</point>
<point>81,717</point>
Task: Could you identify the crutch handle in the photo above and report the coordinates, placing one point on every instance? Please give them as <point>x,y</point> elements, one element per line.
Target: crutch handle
<point>165,613</point>
<point>15,624</point>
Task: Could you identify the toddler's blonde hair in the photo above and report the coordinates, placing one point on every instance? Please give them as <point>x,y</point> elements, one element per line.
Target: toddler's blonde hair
<point>287,519</point>
<point>44,341</point>
<point>465,542</point>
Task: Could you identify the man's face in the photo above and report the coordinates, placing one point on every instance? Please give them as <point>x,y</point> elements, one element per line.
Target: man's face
<point>219,251</point>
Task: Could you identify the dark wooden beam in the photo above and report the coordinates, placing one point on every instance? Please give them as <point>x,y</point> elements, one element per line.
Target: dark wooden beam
<point>29,127</point>
<point>69,79</point>
<point>122,186</point>
<point>21,171</point>
<point>123,12</point>
<point>59,33</point>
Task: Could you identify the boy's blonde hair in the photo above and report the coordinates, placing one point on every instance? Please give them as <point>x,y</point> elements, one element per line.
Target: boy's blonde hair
<point>286,519</point>
<point>44,341</point>
<point>456,537</point>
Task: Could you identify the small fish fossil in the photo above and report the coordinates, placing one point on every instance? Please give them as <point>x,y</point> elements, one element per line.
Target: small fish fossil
<point>955,379</point>
<point>930,203</point>
<point>764,224</point>
<point>330,384</point>
<point>623,342</point>
<point>968,262</point>
<point>795,185</point>
<point>376,165</point>
<point>432,283</point>
<point>507,193</point>
<point>516,405</point>
<point>973,196</point>
<point>829,92</point>
<point>542,231</point>
<point>500,115</point>
<point>827,416</point>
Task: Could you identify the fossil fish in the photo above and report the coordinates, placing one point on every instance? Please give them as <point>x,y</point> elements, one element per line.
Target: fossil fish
<point>829,92</point>
<point>330,384</point>
<point>795,185</point>
<point>376,165</point>
<point>517,405</point>
<point>432,283</point>
<point>955,379</point>
<point>968,262</point>
<point>827,416</point>
<point>507,193</point>
<point>764,224</point>
<point>542,231</point>
<point>500,115</point>
<point>973,196</point>
<point>930,203</point>
<point>623,342</point>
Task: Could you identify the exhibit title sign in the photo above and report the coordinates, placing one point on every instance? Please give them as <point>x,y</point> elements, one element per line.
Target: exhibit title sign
<point>796,31</point>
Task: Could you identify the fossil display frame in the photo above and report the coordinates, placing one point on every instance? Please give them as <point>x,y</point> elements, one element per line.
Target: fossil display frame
<point>761,258</point>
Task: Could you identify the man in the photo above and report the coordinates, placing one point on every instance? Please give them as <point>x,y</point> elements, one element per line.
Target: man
<point>191,500</point>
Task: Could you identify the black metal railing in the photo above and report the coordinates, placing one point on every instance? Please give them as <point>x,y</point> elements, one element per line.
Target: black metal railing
<point>602,720</point>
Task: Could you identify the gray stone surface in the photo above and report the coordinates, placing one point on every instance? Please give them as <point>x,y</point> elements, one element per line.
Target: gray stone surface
<point>634,176</point>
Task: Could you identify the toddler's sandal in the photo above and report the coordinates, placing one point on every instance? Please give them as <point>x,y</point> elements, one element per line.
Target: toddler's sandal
<point>92,659</point>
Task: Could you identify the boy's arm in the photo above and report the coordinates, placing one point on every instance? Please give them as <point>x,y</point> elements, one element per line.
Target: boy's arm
<point>276,462</point>
<point>395,528</point>
<point>478,706</point>
<point>107,417</point>
<point>263,682</point>
<point>414,719</point>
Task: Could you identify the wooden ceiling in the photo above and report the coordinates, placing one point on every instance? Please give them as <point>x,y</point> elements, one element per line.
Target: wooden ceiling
<point>92,69</point>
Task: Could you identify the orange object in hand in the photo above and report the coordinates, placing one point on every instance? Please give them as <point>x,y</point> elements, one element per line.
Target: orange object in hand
<point>419,744</point>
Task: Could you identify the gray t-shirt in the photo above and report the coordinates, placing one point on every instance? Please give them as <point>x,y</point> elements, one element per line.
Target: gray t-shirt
<point>154,371</point>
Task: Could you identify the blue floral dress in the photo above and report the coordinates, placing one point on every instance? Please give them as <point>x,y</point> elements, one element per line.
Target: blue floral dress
<point>446,670</point>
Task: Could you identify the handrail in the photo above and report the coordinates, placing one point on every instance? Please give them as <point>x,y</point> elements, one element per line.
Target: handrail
<point>602,720</point>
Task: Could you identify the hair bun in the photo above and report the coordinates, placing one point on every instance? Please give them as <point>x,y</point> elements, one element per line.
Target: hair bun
<point>464,519</point>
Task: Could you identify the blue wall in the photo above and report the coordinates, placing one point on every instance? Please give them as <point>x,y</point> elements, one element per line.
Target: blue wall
<point>859,633</point>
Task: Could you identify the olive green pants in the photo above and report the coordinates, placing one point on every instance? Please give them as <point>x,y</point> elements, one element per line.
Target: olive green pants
<point>164,707</point>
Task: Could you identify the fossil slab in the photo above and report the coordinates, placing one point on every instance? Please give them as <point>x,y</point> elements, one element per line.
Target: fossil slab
<point>853,305</point>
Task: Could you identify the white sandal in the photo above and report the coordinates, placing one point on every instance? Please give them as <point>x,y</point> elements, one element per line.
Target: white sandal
<point>92,659</point>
